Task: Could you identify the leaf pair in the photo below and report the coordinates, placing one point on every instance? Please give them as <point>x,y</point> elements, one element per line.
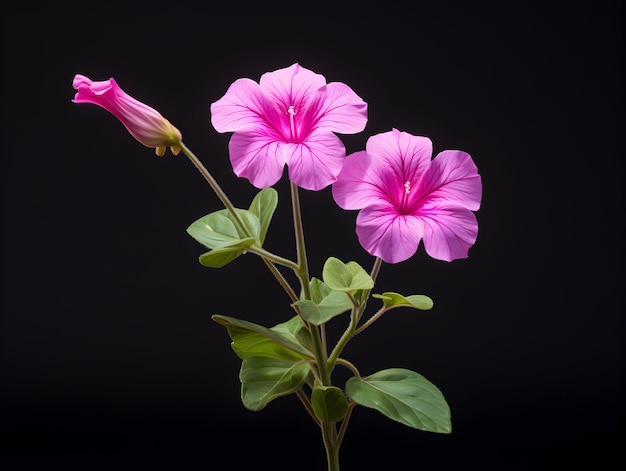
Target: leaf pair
<point>221,232</point>
<point>275,360</point>
<point>329,297</point>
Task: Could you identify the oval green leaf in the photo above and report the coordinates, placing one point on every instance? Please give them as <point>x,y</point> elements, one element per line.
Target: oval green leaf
<point>263,205</point>
<point>250,340</point>
<point>404,396</point>
<point>219,229</point>
<point>217,258</point>
<point>417,301</point>
<point>329,403</point>
<point>265,379</point>
<point>349,276</point>
<point>295,330</point>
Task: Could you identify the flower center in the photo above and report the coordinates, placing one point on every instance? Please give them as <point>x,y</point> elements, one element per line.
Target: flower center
<point>404,203</point>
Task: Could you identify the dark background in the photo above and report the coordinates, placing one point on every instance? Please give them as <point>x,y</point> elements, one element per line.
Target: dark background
<point>109,358</point>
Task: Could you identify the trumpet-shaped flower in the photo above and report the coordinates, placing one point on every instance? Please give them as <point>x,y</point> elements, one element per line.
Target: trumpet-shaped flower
<point>405,197</point>
<point>144,123</point>
<point>288,118</point>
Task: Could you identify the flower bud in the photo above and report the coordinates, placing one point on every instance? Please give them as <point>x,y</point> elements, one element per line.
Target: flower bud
<point>143,122</point>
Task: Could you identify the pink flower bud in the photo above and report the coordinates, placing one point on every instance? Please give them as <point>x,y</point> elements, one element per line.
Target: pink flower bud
<point>144,123</point>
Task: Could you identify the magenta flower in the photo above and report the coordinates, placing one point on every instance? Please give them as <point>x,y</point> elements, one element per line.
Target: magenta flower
<point>144,123</point>
<point>288,118</point>
<point>405,197</point>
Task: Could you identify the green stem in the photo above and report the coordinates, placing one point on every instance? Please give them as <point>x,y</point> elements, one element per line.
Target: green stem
<point>355,317</point>
<point>274,258</point>
<point>265,255</point>
<point>329,430</point>
<point>371,320</point>
<point>214,185</point>
<point>329,435</point>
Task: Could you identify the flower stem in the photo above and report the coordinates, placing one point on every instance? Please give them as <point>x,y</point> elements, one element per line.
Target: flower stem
<point>329,430</point>
<point>215,186</point>
<point>266,256</point>
<point>355,317</point>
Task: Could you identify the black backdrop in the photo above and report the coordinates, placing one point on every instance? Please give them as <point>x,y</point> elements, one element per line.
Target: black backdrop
<point>109,357</point>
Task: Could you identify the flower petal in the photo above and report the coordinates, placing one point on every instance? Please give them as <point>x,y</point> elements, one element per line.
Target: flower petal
<point>451,180</point>
<point>245,107</point>
<point>314,164</point>
<point>385,234</point>
<point>357,186</point>
<point>341,110</point>
<point>448,232</point>
<point>257,156</point>
<point>405,156</point>
<point>291,86</point>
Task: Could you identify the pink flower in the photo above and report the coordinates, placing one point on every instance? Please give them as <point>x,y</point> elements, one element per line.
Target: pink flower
<point>288,118</point>
<point>144,123</point>
<point>404,197</point>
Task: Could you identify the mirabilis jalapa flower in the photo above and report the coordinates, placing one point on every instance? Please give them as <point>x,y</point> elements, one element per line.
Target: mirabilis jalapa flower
<point>143,122</point>
<point>405,197</point>
<point>288,118</point>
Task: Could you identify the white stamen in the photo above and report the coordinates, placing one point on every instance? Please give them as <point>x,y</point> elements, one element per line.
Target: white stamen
<point>292,112</point>
<point>407,187</point>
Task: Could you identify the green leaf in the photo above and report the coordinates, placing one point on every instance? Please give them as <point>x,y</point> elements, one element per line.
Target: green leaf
<point>219,229</point>
<point>417,301</point>
<point>265,379</point>
<point>253,340</point>
<point>295,329</point>
<point>349,276</point>
<point>329,403</point>
<point>325,305</point>
<point>420,301</point>
<point>404,396</point>
<point>263,206</point>
<point>219,257</point>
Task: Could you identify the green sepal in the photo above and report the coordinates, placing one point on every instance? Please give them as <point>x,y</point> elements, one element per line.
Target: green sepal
<point>417,301</point>
<point>219,229</point>
<point>325,304</point>
<point>329,403</point>
<point>253,340</point>
<point>349,276</point>
<point>403,396</point>
<point>217,258</point>
<point>265,379</point>
<point>263,206</point>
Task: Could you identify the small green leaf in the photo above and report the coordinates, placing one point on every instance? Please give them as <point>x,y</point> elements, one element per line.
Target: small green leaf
<point>417,301</point>
<point>329,403</point>
<point>253,340</point>
<point>263,205</point>
<point>325,303</point>
<point>420,301</point>
<point>404,396</point>
<point>295,329</point>
<point>349,276</point>
<point>217,258</point>
<point>265,379</point>
<point>219,229</point>
<point>310,311</point>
